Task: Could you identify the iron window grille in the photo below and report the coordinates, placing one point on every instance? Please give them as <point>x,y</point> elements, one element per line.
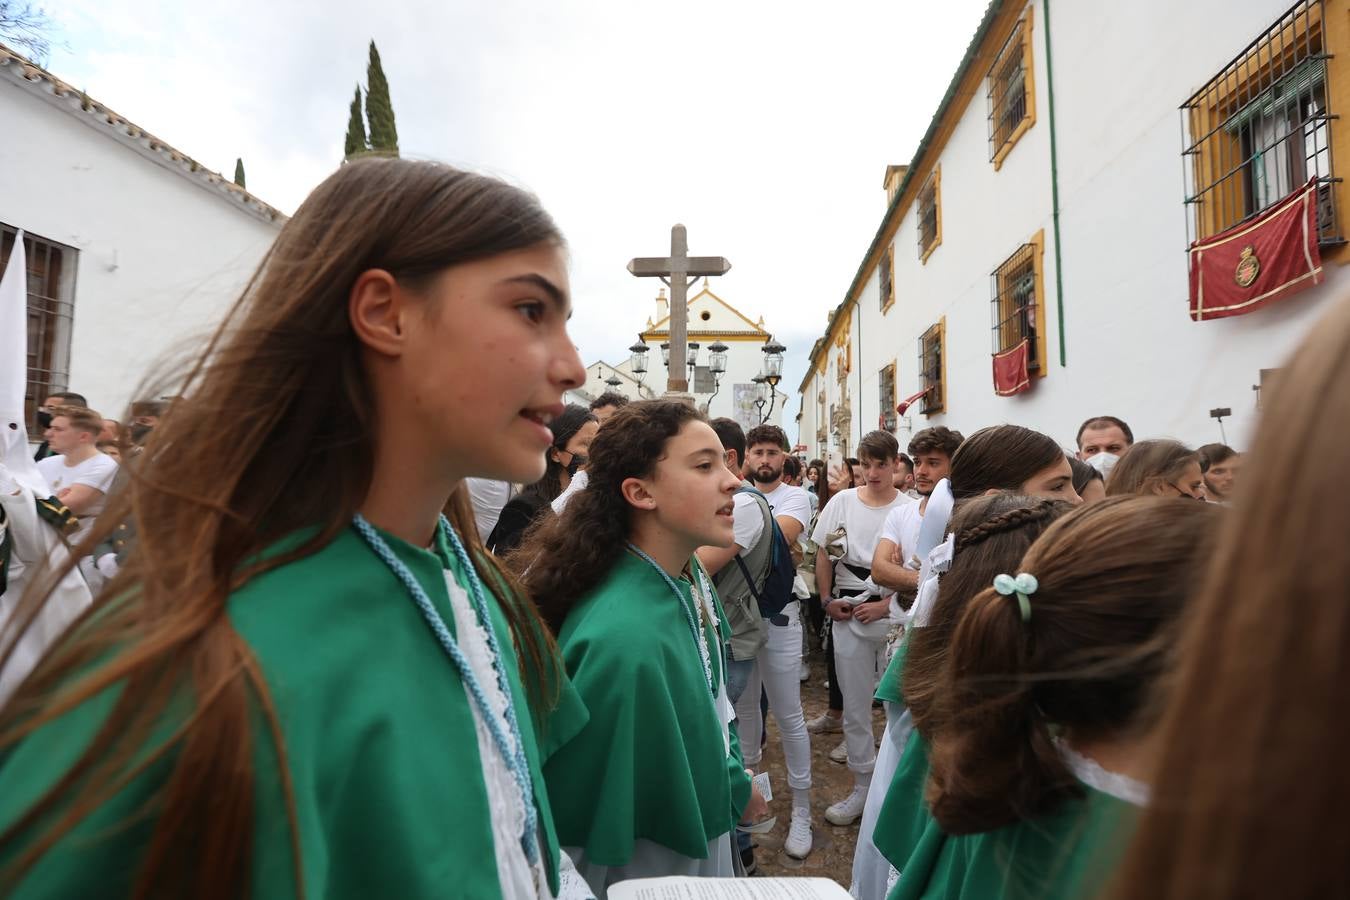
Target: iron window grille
<point>51,291</point>
<point>1007,90</point>
<point>887,290</point>
<point>886,397</point>
<point>1014,304</point>
<point>704,382</point>
<point>930,371</point>
<point>928,215</point>
<point>1261,129</point>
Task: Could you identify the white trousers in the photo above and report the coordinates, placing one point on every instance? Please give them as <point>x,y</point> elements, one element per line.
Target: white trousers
<point>777,669</point>
<point>859,663</point>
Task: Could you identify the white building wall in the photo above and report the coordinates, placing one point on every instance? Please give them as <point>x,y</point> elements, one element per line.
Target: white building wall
<point>986,215</point>
<point>160,258</point>
<point>1131,348</point>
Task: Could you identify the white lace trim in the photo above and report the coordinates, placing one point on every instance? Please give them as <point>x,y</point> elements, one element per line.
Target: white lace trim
<point>722,705</point>
<point>1091,773</point>
<point>518,880</point>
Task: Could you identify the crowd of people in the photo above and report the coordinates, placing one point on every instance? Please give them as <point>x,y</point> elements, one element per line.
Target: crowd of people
<point>366,624</point>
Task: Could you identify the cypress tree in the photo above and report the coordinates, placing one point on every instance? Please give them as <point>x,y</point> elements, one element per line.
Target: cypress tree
<point>239,171</point>
<point>356,130</point>
<point>379,108</point>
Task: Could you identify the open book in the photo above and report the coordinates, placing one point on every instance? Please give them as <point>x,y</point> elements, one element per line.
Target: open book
<point>683,888</point>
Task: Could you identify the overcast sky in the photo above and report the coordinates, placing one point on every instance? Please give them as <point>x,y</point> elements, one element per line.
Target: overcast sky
<point>764,127</point>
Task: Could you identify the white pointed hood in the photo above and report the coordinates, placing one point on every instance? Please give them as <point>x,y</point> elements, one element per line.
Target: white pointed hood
<point>16,459</point>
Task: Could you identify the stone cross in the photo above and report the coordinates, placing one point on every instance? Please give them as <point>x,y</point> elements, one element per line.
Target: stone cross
<point>679,270</point>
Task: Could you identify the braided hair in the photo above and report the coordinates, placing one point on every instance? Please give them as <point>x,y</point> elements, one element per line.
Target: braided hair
<point>1086,661</point>
<point>992,533</point>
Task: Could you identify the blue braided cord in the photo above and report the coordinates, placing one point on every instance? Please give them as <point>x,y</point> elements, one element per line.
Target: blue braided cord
<point>515,761</point>
<point>694,628</point>
<point>479,601</point>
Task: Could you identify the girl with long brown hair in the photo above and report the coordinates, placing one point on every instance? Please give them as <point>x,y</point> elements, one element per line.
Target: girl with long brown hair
<point>1011,458</point>
<point>1159,467</point>
<point>305,681</point>
<point>1037,719</point>
<point>654,784</point>
<point>989,535</point>
<point>1251,783</point>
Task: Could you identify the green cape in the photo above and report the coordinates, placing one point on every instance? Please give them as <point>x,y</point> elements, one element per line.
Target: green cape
<point>651,762</point>
<point>378,732</point>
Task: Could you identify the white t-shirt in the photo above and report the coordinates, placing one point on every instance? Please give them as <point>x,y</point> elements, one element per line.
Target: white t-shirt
<point>787,500</point>
<point>902,529</point>
<point>488,496</point>
<point>96,472</point>
<point>862,528</point>
<point>747,521</point>
<point>578,483</point>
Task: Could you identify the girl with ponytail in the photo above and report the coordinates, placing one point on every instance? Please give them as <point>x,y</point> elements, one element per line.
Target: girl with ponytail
<point>654,784</point>
<point>306,681</point>
<point>1038,714</point>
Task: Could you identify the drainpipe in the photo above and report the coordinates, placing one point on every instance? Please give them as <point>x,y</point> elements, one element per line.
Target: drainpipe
<point>857,317</point>
<point>1054,182</point>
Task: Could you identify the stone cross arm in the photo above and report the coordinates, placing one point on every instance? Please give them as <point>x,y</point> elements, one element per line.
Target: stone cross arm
<point>691,266</point>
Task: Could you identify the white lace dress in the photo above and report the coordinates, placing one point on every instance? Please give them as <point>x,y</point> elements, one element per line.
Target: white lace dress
<point>518,879</point>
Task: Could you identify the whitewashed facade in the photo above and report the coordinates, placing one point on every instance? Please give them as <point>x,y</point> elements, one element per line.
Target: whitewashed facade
<point>145,247</point>
<point>1129,346</point>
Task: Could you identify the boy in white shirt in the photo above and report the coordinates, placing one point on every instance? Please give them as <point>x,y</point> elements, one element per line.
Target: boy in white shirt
<point>81,476</point>
<point>894,564</point>
<point>860,616</point>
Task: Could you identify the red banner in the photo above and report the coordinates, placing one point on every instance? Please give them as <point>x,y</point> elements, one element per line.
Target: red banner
<point>903,406</point>
<point>1257,262</point>
<point>1010,370</point>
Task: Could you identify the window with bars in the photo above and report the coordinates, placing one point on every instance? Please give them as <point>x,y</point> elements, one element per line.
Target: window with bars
<point>1261,129</point>
<point>886,421</point>
<point>704,382</point>
<point>932,350</point>
<point>930,214</point>
<point>1009,90</point>
<point>885,274</point>
<point>1018,314</point>
<point>51,293</point>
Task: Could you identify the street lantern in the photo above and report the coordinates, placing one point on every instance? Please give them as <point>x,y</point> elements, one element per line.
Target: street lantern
<point>665,354</point>
<point>638,361</point>
<point>717,358</point>
<point>773,361</point>
<point>692,359</point>
<point>613,381</point>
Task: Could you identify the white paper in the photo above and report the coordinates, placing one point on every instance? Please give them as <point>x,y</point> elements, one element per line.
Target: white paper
<point>685,888</point>
<point>761,781</point>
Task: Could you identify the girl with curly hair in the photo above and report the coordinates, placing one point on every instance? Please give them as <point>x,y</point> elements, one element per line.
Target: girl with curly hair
<point>654,784</point>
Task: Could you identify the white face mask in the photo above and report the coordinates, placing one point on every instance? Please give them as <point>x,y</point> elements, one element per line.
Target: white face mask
<point>1103,462</point>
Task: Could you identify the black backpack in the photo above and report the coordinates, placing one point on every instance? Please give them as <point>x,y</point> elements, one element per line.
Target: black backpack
<point>776,592</point>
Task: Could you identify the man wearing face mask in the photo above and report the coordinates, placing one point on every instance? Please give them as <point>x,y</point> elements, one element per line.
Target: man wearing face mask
<point>44,417</point>
<point>1102,440</point>
<point>573,432</point>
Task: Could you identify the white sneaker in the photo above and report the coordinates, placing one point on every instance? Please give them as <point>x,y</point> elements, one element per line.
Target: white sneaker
<point>803,671</point>
<point>850,809</point>
<point>826,724</point>
<point>840,754</point>
<point>798,843</point>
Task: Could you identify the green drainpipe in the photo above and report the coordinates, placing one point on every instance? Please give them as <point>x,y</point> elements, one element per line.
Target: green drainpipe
<point>1054,183</point>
